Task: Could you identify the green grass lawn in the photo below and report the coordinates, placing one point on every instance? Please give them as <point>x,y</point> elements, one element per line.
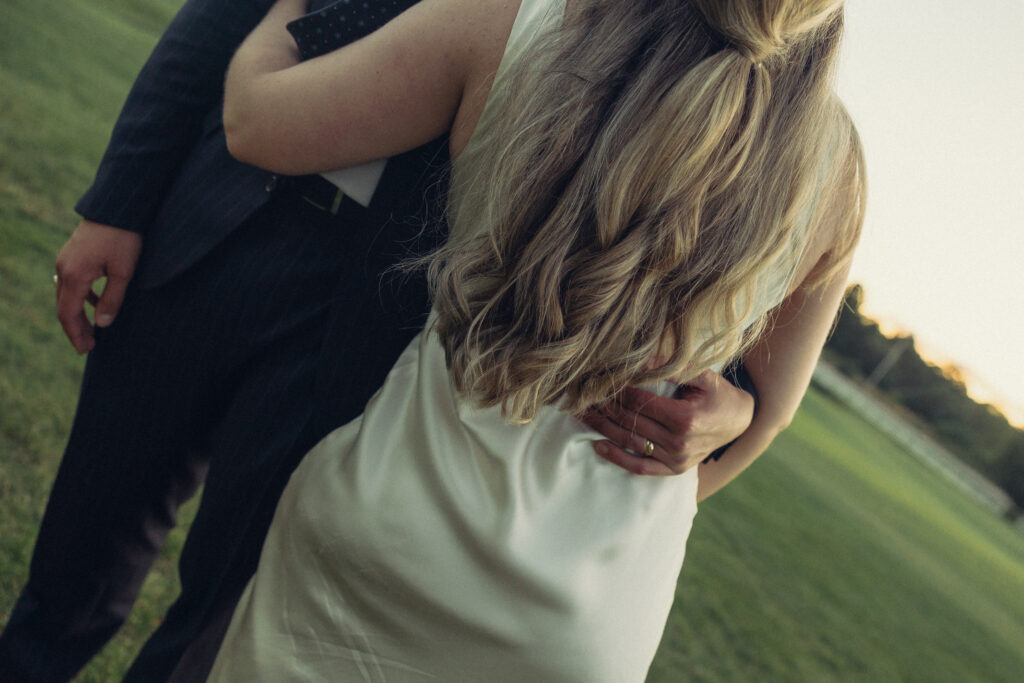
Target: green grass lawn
<point>836,558</point>
<point>64,71</point>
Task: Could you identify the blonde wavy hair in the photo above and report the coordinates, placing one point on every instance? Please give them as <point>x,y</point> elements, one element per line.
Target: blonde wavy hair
<point>653,160</point>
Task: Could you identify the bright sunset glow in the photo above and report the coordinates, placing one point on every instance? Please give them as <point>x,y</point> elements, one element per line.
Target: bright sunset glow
<point>937,90</point>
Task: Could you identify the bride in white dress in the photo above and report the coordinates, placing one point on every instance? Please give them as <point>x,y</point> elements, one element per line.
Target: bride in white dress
<point>639,190</point>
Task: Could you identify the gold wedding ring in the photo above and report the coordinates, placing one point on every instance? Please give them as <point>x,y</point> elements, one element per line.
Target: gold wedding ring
<point>648,447</point>
<point>56,279</point>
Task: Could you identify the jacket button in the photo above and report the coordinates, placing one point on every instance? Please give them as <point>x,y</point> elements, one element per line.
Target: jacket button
<point>271,183</point>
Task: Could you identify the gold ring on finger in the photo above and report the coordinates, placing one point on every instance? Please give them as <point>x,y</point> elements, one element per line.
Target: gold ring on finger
<point>56,279</point>
<point>648,447</point>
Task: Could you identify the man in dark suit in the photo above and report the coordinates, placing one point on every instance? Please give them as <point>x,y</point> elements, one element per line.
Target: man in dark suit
<point>255,321</point>
<point>245,315</point>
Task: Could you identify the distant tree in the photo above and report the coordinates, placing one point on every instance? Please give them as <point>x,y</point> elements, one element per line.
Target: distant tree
<point>977,433</point>
<point>1009,471</point>
<point>856,345</point>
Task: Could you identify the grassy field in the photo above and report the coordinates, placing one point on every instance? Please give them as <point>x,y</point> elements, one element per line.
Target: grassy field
<point>840,558</point>
<point>64,71</point>
<point>836,558</point>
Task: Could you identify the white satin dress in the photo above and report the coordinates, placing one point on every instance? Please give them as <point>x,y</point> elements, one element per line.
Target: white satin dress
<point>429,541</point>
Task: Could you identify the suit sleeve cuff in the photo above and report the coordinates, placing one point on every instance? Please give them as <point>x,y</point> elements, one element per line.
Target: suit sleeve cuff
<point>121,199</point>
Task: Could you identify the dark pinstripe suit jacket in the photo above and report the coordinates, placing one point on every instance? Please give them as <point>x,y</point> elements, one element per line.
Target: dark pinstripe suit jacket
<point>167,173</point>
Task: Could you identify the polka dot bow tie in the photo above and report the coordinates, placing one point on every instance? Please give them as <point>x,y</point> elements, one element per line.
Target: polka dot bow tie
<point>342,22</point>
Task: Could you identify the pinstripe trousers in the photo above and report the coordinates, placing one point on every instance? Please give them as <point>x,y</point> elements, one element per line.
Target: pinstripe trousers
<point>219,375</point>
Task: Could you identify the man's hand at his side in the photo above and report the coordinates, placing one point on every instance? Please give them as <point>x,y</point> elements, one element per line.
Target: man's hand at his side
<point>92,252</point>
<point>675,433</point>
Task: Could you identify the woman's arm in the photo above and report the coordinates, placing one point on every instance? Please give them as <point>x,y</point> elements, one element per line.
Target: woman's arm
<point>392,91</point>
<point>781,366</point>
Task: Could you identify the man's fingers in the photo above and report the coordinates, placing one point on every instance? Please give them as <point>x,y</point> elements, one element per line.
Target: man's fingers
<point>71,295</point>
<point>629,437</point>
<point>665,411</point>
<point>632,463</point>
<point>109,302</point>
<point>636,423</point>
<point>705,381</point>
<point>79,332</point>
<point>602,424</point>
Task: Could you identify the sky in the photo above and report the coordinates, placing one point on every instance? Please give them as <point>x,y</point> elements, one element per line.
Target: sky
<point>936,88</point>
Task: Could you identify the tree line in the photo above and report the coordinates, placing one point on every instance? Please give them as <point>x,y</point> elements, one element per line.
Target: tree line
<point>936,396</point>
